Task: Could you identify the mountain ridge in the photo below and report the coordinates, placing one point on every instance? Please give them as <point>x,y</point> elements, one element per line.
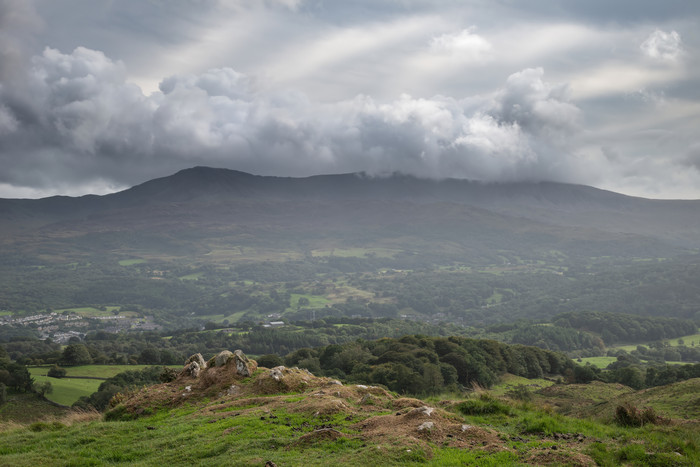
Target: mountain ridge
<point>359,207</point>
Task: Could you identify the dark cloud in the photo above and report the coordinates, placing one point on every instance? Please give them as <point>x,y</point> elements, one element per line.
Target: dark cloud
<point>87,120</point>
<point>96,96</point>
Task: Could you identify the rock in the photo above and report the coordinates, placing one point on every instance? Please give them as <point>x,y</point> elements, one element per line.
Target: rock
<point>336,382</point>
<point>425,410</point>
<point>243,364</point>
<point>222,358</point>
<point>192,369</point>
<point>426,426</point>
<point>367,399</point>
<point>276,373</point>
<point>469,427</point>
<point>233,390</point>
<point>197,358</point>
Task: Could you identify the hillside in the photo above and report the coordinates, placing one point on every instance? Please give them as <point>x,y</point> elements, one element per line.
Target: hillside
<point>208,204</point>
<point>230,411</point>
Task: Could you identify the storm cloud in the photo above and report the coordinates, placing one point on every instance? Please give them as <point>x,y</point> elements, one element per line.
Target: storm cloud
<point>423,88</point>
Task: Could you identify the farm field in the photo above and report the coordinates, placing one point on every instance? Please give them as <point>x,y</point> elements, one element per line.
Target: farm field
<point>80,380</point>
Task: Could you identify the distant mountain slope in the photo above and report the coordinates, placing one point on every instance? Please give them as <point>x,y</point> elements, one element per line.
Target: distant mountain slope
<point>208,202</point>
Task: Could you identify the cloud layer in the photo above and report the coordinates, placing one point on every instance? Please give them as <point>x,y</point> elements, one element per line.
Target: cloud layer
<point>381,88</point>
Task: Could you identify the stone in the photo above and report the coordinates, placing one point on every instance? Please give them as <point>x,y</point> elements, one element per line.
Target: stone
<point>425,410</point>
<point>426,426</point>
<point>243,365</point>
<point>198,359</point>
<point>276,373</point>
<point>222,358</point>
<point>192,369</point>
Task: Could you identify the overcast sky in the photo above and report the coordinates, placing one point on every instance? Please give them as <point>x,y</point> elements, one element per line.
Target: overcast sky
<point>97,96</point>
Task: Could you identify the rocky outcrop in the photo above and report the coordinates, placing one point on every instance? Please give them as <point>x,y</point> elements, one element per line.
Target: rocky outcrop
<point>195,365</point>
<point>244,366</point>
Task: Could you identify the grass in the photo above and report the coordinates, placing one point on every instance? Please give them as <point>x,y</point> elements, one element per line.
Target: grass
<point>356,252</point>
<point>192,277</point>
<point>68,390</point>
<point>131,262</point>
<point>89,311</point>
<point>507,433</point>
<point>510,382</point>
<point>599,362</point>
<point>689,340</point>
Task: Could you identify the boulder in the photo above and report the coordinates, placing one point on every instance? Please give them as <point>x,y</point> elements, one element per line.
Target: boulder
<point>222,358</point>
<point>198,359</point>
<point>244,366</point>
<point>192,369</point>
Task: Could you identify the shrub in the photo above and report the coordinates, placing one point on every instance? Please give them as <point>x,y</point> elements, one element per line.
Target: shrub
<point>629,415</point>
<point>56,372</point>
<point>483,405</point>
<point>167,375</point>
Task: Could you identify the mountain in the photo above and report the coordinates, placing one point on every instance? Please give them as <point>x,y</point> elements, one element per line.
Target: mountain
<point>195,208</point>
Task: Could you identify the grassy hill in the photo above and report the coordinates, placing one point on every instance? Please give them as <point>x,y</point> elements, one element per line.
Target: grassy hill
<point>290,417</point>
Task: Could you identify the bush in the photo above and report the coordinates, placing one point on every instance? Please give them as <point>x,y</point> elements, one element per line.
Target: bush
<point>56,372</point>
<point>168,375</point>
<point>485,404</point>
<point>629,415</point>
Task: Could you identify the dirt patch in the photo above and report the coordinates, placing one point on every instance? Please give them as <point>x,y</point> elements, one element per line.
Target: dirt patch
<point>559,457</point>
<point>427,425</point>
<point>317,436</point>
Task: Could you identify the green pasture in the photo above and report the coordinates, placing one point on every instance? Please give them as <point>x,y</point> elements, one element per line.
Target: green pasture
<point>315,301</point>
<point>690,340</point>
<point>356,252</point>
<point>509,382</point>
<point>88,311</point>
<point>67,390</point>
<point>598,362</point>
<point>191,277</point>
<point>131,262</point>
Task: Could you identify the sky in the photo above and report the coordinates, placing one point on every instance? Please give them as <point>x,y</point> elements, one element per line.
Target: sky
<point>100,95</point>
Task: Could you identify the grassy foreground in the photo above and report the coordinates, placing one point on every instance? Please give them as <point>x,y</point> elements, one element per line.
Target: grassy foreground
<point>295,419</point>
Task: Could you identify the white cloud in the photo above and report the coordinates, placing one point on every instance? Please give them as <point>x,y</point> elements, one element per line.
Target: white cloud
<point>464,44</point>
<point>663,46</point>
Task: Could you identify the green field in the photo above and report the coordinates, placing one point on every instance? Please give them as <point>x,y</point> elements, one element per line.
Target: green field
<point>131,262</point>
<point>509,382</point>
<point>599,362</point>
<point>690,340</point>
<point>356,252</point>
<point>88,311</point>
<point>68,390</point>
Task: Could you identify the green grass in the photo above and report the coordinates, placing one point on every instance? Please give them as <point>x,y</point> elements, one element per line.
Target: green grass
<point>192,277</point>
<point>688,341</point>
<point>68,390</point>
<point>356,252</point>
<point>89,311</point>
<point>253,434</point>
<point>599,362</point>
<point>131,262</point>
<point>315,301</point>
<point>509,382</point>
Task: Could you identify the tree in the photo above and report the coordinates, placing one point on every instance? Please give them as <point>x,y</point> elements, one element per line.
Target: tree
<point>76,354</point>
<point>43,388</point>
<point>56,372</point>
